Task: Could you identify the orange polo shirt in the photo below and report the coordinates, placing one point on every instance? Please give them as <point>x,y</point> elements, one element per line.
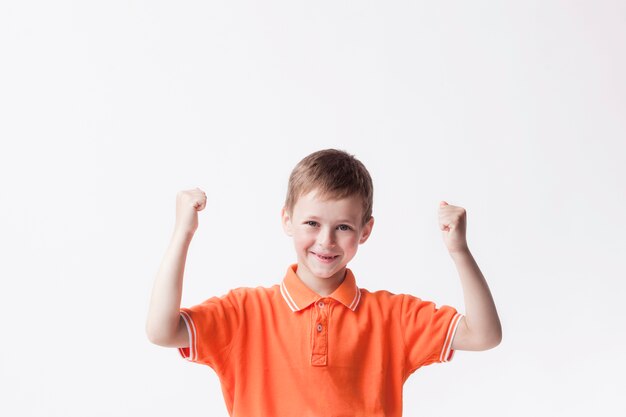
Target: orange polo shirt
<point>287,351</point>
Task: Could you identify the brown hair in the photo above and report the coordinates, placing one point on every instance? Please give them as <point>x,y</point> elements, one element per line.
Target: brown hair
<point>334,174</point>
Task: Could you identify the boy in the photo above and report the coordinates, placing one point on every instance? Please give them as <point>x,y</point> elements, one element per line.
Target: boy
<point>317,344</point>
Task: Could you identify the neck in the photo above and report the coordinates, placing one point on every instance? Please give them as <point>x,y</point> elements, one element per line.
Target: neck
<point>321,286</point>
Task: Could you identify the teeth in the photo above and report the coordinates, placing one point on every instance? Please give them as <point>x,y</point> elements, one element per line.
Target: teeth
<point>325,257</point>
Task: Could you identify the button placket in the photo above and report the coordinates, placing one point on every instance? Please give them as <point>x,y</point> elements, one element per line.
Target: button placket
<point>319,334</point>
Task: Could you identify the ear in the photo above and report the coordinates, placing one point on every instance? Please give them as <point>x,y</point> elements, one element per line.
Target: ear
<point>366,230</point>
<point>286,221</point>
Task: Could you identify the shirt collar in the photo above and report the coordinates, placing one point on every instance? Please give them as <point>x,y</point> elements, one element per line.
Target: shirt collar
<point>298,296</point>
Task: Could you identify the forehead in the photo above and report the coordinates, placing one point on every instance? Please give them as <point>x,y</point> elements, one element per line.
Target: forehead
<point>310,204</point>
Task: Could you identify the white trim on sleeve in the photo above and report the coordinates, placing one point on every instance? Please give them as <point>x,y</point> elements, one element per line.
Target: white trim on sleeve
<point>447,352</point>
<point>191,329</point>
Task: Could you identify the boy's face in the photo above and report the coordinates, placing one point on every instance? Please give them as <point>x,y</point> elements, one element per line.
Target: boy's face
<point>326,235</point>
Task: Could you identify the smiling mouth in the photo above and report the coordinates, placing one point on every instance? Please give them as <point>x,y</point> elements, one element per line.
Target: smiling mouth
<point>325,258</point>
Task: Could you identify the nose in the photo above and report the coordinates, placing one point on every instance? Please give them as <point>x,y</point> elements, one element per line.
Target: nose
<point>326,238</point>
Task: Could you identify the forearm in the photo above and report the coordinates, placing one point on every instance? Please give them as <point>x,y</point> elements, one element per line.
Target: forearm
<point>481,317</point>
<point>164,311</point>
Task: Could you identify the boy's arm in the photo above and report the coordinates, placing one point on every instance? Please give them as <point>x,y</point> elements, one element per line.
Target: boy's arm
<point>165,326</point>
<point>480,328</point>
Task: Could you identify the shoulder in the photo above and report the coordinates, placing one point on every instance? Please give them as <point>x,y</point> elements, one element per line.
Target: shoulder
<point>390,300</point>
<point>385,295</point>
<point>244,292</point>
<point>246,295</point>
<point>385,298</point>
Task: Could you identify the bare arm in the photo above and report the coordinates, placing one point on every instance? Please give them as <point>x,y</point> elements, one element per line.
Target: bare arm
<point>480,329</point>
<point>165,326</point>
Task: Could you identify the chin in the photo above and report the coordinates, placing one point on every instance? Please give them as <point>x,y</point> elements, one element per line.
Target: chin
<point>326,273</point>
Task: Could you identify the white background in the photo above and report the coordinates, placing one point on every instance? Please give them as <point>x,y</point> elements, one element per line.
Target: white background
<point>513,110</point>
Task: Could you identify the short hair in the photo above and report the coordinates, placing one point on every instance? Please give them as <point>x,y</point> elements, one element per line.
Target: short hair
<point>333,174</point>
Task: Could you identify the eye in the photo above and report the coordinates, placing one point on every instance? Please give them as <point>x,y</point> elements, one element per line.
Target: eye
<point>311,223</point>
<point>344,227</point>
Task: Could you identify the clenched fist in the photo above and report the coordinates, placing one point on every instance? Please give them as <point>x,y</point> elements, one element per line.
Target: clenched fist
<point>452,223</point>
<point>188,204</point>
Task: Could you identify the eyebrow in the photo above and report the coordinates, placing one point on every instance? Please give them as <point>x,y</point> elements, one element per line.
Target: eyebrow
<point>338,221</point>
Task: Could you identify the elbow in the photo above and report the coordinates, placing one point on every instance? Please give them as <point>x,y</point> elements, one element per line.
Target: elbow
<point>491,340</point>
<point>484,338</point>
<point>167,336</point>
<point>154,336</point>
<point>150,335</point>
<point>157,339</point>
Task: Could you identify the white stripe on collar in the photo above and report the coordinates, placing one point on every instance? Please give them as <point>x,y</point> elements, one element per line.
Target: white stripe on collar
<point>292,304</point>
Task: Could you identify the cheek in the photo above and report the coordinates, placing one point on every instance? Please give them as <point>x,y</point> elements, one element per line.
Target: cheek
<point>302,238</point>
<point>351,241</point>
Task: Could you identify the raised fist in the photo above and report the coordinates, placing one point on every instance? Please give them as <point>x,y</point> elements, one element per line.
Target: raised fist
<point>188,204</point>
<point>453,223</point>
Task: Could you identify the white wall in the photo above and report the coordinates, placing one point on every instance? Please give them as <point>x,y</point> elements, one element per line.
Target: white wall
<point>513,110</point>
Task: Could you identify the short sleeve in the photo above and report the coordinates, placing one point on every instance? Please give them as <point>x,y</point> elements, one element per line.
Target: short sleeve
<point>212,327</point>
<point>428,332</point>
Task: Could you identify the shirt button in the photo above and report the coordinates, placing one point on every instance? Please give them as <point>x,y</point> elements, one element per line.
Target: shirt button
<point>319,327</point>
<point>320,304</point>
